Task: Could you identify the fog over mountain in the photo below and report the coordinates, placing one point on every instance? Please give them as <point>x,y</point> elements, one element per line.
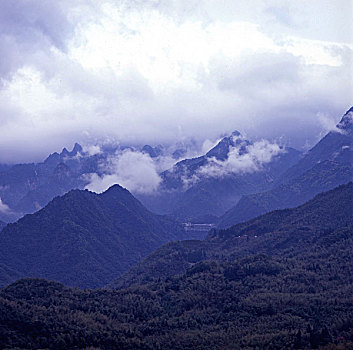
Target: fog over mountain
<point>158,72</point>
<point>176,174</point>
<point>140,172</point>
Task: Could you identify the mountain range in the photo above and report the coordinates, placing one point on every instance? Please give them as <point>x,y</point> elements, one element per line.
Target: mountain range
<point>276,273</point>
<point>280,281</point>
<point>234,181</point>
<point>26,188</point>
<point>186,191</point>
<point>205,187</point>
<point>202,190</point>
<point>328,164</point>
<point>87,240</point>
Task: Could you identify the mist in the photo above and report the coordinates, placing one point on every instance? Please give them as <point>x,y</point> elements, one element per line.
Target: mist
<point>133,170</point>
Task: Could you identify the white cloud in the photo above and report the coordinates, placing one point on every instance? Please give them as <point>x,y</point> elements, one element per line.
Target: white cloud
<point>328,123</point>
<point>163,71</point>
<point>251,160</point>
<point>130,169</point>
<point>92,150</point>
<point>4,208</point>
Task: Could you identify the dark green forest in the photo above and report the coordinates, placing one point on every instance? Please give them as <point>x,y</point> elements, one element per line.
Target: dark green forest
<point>295,294</point>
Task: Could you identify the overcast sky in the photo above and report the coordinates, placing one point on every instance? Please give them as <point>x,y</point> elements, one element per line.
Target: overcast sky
<point>154,71</point>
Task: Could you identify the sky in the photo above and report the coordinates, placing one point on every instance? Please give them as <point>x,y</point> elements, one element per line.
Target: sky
<point>167,71</point>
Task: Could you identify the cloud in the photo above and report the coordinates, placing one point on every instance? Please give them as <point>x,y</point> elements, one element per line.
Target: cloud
<point>31,28</point>
<point>241,161</point>
<point>4,208</point>
<point>130,169</point>
<point>92,150</point>
<point>328,123</point>
<point>162,71</point>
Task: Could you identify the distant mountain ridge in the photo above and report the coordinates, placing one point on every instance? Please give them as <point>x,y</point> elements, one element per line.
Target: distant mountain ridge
<point>194,188</point>
<point>84,239</point>
<point>336,145</point>
<point>26,188</point>
<point>189,191</point>
<point>327,165</point>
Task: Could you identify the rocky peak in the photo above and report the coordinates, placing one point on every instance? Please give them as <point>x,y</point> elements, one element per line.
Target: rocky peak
<point>221,150</point>
<point>346,122</point>
<point>76,149</point>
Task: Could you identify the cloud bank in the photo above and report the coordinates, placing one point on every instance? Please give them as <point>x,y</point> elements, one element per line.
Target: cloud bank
<point>243,158</point>
<point>133,170</point>
<point>140,173</point>
<point>166,71</point>
<point>253,159</point>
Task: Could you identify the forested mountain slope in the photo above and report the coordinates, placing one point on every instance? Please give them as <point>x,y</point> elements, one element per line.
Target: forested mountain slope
<point>84,239</point>
<point>298,296</point>
<point>273,233</point>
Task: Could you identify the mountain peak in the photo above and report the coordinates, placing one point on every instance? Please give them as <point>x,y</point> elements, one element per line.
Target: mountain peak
<point>64,152</point>
<point>221,150</point>
<point>83,239</point>
<point>350,110</point>
<point>53,158</point>
<point>117,191</point>
<point>347,120</point>
<point>116,188</point>
<point>76,149</point>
